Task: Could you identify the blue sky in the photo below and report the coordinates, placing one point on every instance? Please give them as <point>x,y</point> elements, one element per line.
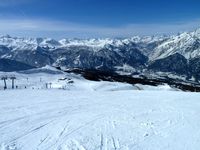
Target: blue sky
<point>97,18</point>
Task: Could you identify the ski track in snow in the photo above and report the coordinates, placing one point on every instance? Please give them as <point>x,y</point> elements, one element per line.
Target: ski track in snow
<point>99,120</point>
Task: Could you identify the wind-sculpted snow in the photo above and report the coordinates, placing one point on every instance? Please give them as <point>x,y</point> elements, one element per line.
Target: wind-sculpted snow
<point>85,120</point>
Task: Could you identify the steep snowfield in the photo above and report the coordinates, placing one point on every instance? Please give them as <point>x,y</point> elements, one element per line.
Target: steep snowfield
<point>99,120</point>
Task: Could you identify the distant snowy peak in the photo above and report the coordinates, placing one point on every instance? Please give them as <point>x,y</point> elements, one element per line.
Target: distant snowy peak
<point>148,39</point>
<point>155,47</point>
<point>197,32</point>
<point>186,44</point>
<point>16,43</point>
<point>94,43</point>
<point>98,43</point>
<point>49,43</point>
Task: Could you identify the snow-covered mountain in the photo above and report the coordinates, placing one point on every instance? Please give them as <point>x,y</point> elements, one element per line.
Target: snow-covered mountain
<point>16,43</point>
<point>71,53</point>
<point>186,44</point>
<point>177,54</point>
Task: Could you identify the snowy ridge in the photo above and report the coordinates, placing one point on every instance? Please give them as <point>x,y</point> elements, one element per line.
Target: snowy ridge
<point>186,44</point>
<point>31,43</point>
<point>182,43</point>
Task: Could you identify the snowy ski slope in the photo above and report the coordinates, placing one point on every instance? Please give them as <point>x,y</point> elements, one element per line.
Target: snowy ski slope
<point>87,115</point>
<point>99,120</point>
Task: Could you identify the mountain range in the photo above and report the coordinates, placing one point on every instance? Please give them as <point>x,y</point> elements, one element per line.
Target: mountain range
<point>176,55</point>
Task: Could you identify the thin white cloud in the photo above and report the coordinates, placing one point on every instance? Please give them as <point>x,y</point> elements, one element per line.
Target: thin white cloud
<point>58,29</point>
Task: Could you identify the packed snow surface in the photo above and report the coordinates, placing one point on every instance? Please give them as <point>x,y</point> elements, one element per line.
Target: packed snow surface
<point>87,115</point>
<point>91,120</point>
